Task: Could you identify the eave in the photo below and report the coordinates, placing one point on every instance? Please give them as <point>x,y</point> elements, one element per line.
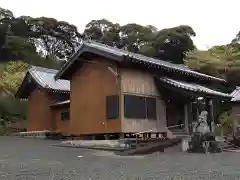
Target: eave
<point>191,89</point>
<point>37,77</point>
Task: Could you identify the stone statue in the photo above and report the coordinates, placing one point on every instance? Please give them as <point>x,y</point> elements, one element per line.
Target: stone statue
<point>203,140</point>
<point>202,125</point>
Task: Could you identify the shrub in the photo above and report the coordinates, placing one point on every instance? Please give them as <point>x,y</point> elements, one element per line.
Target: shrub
<point>225,126</point>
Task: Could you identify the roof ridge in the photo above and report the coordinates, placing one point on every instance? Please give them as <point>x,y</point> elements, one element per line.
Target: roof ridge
<point>153,59</point>
<point>45,78</point>
<point>115,53</point>
<point>108,46</point>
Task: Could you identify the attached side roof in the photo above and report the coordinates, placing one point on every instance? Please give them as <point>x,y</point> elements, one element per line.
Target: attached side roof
<point>121,55</point>
<point>236,95</point>
<point>43,78</point>
<point>193,87</point>
<point>61,103</point>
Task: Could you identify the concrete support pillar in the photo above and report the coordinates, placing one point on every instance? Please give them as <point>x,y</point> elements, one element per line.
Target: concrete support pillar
<point>185,144</point>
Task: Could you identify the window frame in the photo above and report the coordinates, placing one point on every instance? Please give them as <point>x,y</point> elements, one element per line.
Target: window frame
<point>146,107</point>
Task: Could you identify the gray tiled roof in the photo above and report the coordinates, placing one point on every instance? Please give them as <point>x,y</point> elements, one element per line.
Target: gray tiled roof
<point>120,55</point>
<point>193,87</point>
<point>236,95</point>
<point>45,78</point>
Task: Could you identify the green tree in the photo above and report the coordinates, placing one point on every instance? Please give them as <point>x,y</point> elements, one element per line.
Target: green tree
<point>55,39</point>
<point>21,37</point>
<point>103,31</point>
<point>11,76</point>
<point>134,36</point>
<point>222,61</point>
<point>14,38</point>
<point>167,44</point>
<point>172,43</point>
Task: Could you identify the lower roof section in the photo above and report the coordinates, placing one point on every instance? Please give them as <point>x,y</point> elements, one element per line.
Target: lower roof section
<point>43,78</point>
<point>193,87</point>
<point>236,95</point>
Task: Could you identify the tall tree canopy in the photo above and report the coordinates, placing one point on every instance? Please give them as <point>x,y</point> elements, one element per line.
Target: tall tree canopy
<point>172,43</point>
<point>55,39</point>
<point>103,31</point>
<point>167,44</point>
<point>14,42</point>
<point>222,61</point>
<point>39,41</point>
<point>25,37</point>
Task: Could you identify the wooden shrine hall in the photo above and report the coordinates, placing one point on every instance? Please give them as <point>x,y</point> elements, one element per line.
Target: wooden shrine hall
<point>106,90</point>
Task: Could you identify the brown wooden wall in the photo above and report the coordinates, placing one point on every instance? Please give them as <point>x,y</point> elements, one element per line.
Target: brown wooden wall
<point>89,87</point>
<point>60,125</point>
<point>39,113</point>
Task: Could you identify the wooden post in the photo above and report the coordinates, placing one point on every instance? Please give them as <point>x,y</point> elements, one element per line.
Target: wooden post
<point>186,117</point>
<point>210,119</point>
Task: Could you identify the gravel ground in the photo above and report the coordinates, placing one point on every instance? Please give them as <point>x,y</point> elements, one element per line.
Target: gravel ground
<point>28,159</point>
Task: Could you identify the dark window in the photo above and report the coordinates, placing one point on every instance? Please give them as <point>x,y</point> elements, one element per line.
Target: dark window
<point>65,115</point>
<point>139,107</point>
<point>151,108</point>
<point>134,107</point>
<point>112,107</point>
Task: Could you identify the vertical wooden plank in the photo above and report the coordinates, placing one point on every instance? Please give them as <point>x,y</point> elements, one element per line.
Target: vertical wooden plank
<point>90,86</point>
<point>40,116</point>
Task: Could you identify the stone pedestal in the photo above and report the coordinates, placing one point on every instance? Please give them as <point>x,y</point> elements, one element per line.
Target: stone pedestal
<point>185,144</point>
<point>203,143</point>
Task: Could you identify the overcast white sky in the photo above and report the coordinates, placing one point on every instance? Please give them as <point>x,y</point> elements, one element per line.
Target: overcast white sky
<point>214,21</point>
